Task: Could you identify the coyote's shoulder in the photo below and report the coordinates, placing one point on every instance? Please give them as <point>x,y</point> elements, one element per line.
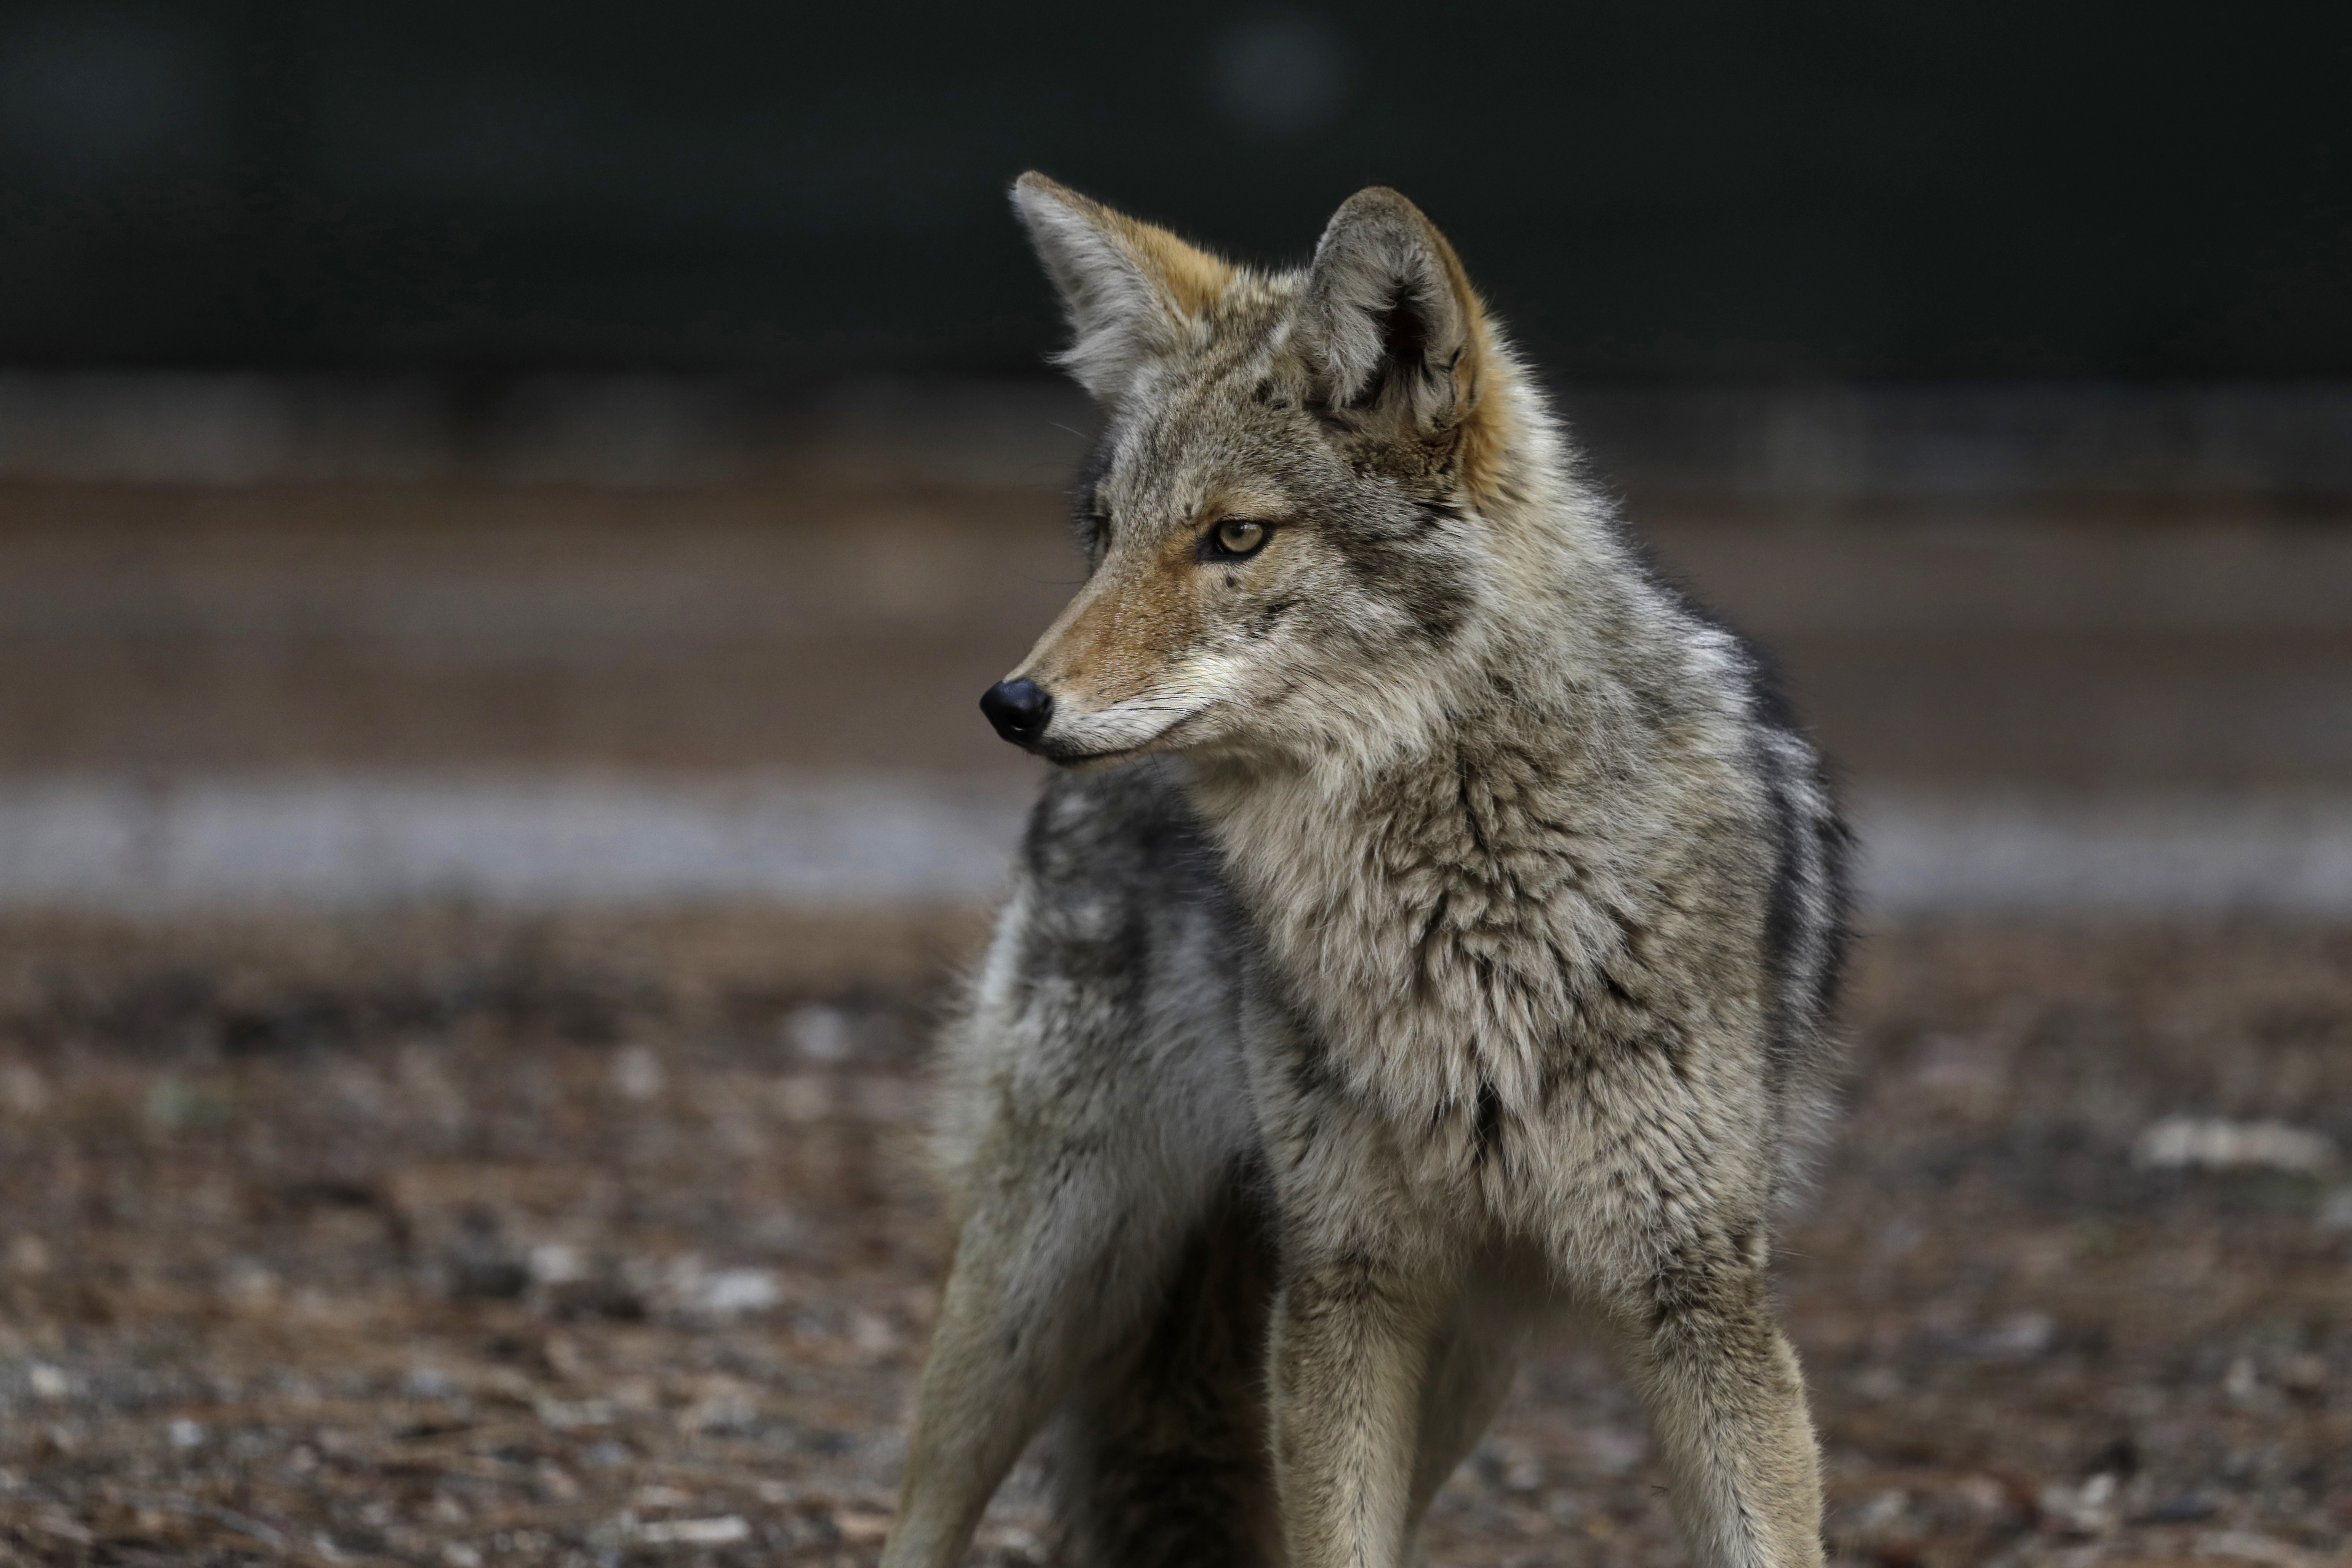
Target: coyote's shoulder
<point>1436,926</point>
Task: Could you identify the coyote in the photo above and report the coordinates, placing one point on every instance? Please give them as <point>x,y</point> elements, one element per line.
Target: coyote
<point>1431,928</point>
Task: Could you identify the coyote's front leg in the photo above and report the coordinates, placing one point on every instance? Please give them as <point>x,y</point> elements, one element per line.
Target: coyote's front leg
<point>1351,1337</point>
<point>1727,1403</point>
<point>1355,1320</point>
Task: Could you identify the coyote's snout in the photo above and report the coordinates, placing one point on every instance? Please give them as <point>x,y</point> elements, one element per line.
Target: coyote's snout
<point>1436,931</point>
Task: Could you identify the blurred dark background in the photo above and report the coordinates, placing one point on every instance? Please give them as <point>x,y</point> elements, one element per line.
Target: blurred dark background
<point>506,510</point>
<point>1700,190</point>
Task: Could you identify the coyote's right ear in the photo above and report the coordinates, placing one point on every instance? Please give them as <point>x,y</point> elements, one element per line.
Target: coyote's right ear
<point>1132,290</point>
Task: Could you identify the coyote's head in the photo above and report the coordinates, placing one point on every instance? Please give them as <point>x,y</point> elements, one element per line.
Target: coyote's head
<point>1283,523</point>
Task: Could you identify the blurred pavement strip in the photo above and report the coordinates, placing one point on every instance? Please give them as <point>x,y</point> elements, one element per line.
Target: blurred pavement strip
<point>123,847</point>
<point>361,840</point>
<point>2289,854</point>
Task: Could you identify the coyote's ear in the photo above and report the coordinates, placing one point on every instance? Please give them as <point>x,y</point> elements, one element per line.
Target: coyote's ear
<point>1132,290</point>
<point>1388,322</point>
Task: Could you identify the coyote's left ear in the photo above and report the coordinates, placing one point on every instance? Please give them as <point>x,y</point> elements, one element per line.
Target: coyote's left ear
<point>1133,290</point>
<point>1388,322</point>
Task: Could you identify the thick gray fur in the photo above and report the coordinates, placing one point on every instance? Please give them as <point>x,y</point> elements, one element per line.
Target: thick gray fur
<point>1435,929</point>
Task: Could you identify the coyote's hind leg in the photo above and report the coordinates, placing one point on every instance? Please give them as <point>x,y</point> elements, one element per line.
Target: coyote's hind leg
<point>1093,1116</point>
<point>1055,1266</point>
<point>1160,1456</point>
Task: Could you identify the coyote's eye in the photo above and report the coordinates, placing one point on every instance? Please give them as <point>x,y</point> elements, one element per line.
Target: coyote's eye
<point>1234,538</point>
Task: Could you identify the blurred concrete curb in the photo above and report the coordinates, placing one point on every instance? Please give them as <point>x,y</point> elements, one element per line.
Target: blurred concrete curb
<point>124,847</point>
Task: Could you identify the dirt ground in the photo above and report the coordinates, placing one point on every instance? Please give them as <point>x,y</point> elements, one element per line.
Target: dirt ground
<point>462,1238</point>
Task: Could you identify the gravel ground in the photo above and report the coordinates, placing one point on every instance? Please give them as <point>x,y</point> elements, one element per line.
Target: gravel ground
<point>457,1239</point>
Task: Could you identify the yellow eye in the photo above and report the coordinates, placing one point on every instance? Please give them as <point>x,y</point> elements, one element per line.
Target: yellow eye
<point>1239,536</point>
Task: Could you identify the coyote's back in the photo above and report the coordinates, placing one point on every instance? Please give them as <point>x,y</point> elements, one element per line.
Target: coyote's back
<point>1434,926</point>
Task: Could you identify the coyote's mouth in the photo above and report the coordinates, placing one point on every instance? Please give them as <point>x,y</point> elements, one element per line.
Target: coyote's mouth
<point>1115,734</point>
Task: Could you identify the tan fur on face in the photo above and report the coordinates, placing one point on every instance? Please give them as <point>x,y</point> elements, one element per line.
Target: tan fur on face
<point>1118,636</point>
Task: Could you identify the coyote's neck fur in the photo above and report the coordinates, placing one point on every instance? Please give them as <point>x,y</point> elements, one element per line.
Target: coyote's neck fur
<point>1459,902</point>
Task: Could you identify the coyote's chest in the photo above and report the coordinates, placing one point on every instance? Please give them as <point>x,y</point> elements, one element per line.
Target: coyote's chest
<point>1457,940</point>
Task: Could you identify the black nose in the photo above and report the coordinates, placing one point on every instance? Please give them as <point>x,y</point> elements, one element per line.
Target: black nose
<point>1018,709</point>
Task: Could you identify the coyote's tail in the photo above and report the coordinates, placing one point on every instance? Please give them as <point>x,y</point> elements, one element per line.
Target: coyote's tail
<point>1161,1459</point>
